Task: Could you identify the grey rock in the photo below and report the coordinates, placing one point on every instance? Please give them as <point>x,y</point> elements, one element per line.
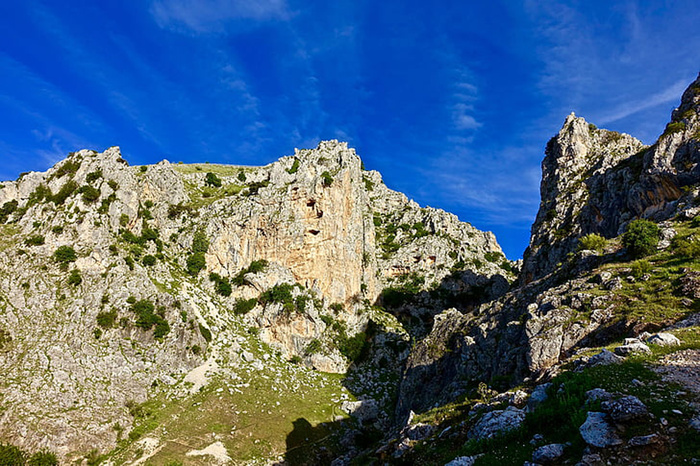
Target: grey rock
<point>591,459</point>
<point>663,339</point>
<point>598,394</point>
<point>690,284</point>
<point>363,410</point>
<point>598,432</point>
<point>464,461</point>
<point>613,284</point>
<point>603,358</point>
<point>548,454</point>
<point>695,423</point>
<point>637,347</point>
<point>625,409</point>
<point>497,422</point>
<point>419,431</point>
<point>644,440</point>
<point>603,276</point>
<point>538,395</point>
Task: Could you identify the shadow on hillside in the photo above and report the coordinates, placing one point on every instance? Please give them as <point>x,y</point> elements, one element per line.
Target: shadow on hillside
<point>378,371</point>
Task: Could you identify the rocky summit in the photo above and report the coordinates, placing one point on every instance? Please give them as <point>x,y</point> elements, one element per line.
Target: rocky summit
<point>304,313</point>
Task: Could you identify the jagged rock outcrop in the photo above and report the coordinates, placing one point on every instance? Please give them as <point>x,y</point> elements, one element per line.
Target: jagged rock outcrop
<point>593,181</point>
<point>596,181</point>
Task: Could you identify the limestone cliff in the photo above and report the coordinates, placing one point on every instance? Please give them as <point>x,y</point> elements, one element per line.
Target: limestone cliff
<point>116,280</point>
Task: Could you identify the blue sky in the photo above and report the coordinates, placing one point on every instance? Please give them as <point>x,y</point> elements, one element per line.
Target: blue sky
<point>451,101</point>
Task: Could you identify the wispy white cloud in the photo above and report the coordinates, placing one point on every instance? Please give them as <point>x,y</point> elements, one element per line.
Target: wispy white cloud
<point>206,16</point>
<point>464,94</point>
<point>670,94</point>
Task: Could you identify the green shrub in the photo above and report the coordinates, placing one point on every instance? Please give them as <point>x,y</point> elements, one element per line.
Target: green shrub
<point>641,237</point>
<point>175,210</point>
<point>295,167</point>
<point>149,234</point>
<point>129,237</point>
<point>97,333</point>
<point>200,243</point>
<point>640,267</point>
<point>106,202</point>
<point>256,266</point>
<point>493,256</point>
<point>43,458</point>
<point>352,347</point>
<point>206,333</point>
<point>314,347</point>
<point>107,319</point>
<point>687,247</point>
<point>336,307</point>
<point>10,455</point>
<point>196,350</point>
<point>35,240</point>
<point>124,220</point>
<point>68,168</point>
<point>281,293</point>
<point>65,192</point>
<point>129,262</point>
<point>90,193</point>
<point>222,285</point>
<point>212,180</point>
<point>420,230</point>
<point>65,254</point>
<point>327,179</point>
<point>195,263</point>
<point>592,242</point>
<point>243,306</point>
<point>255,186</point>
<point>148,260</point>
<point>409,285</point>
<point>40,193</point>
<point>300,303</point>
<point>93,176</point>
<point>147,319</point>
<point>674,127</point>
<point>113,184</point>
<point>162,329</point>
<point>7,209</point>
<point>74,278</point>
<point>241,176</point>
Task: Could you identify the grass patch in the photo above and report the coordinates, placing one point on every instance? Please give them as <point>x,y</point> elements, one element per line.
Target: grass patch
<point>254,421</point>
<point>218,169</point>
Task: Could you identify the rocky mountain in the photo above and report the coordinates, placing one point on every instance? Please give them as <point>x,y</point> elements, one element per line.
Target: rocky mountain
<point>117,279</point>
<point>304,313</point>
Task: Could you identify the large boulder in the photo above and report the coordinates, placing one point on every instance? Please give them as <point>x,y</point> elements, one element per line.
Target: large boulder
<point>598,432</point>
<point>628,408</point>
<point>497,422</point>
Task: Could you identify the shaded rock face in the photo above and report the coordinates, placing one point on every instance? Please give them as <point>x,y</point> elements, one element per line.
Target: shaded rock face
<point>597,181</point>
<point>323,224</point>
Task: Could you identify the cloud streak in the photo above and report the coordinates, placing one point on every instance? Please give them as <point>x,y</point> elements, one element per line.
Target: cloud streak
<point>668,95</point>
<point>212,16</point>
